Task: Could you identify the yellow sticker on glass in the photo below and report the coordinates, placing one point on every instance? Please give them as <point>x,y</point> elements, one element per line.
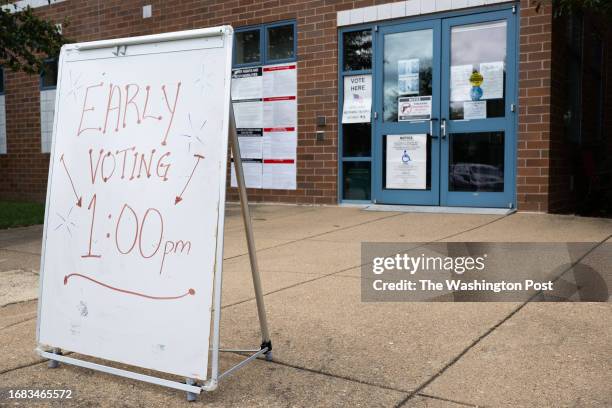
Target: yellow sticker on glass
<point>476,78</point>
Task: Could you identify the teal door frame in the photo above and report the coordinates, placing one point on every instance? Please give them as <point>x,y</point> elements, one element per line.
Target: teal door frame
<point>505,124</point>
<point>439,193</point>
<point>430,127</point>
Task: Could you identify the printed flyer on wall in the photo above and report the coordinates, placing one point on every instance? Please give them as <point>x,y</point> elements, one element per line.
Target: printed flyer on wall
<point>265,108</point>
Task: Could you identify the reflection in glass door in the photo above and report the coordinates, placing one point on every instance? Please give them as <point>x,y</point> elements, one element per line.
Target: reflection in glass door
<point>477,156</point>
<point>406,137</point>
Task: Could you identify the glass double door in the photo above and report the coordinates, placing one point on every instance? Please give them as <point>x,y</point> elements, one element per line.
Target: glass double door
<point>444,112</point>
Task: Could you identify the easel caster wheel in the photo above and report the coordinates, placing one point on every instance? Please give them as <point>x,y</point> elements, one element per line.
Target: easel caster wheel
<point>54,363</point>
<point>268,356</point>
<point>191,396</point>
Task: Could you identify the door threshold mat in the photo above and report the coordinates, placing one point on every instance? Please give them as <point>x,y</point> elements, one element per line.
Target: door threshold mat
<point>438,209</point>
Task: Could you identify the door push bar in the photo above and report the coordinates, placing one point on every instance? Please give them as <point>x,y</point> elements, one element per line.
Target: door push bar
<point>442,128</point>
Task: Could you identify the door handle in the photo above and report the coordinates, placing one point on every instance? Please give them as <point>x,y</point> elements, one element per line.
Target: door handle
<point>443,129</point>
<point>431,122</point>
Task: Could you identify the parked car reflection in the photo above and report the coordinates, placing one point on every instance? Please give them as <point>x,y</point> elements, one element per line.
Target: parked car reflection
<point>476,177</point>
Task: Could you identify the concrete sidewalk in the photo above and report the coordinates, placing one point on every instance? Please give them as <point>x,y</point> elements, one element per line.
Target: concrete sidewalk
<point>330,349</point>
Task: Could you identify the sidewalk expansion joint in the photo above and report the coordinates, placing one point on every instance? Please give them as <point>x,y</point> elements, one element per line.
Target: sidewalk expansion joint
<point>257,218</point>
<point>18,323</point>
<point>465,404</point>
<point>23,366</point>
<point>353,266</point>
<point>315,235</point>
<point>40,361</point>
<point>339,377</point>
<point>494,327</point>
<point>18,302</point>
<point>20,252</point>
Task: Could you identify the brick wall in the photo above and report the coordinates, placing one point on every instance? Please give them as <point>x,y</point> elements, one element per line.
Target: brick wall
<point>534,127</point>
<point>24,169</point>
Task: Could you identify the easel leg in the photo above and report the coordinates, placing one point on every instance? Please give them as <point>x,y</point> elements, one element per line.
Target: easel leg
<point>191,396</point>
<point>54,363</point>
<point>246,217</point>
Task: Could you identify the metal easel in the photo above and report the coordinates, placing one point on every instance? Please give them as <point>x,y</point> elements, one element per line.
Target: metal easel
<point>266,344</point>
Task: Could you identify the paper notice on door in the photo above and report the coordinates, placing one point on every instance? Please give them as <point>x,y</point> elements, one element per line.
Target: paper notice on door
<point>406,162</point>
<point>279,174</point>
<point>414,108</point>
<point>280,112</point>
<point>408,76</point>
<point>252,173</point>
<point>248,114</point>
<point>493,80</point>
<point>279,143</point>
<point>247,83</point>
<point>357,99</point>
<point>460,83</point>
<point>475,110</point>
<point>279,80</point>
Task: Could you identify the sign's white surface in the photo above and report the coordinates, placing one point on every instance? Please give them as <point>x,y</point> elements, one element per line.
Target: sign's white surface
<point>135,201</point>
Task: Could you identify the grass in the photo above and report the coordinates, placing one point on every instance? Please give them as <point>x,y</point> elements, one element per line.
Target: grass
<point>15,214</point>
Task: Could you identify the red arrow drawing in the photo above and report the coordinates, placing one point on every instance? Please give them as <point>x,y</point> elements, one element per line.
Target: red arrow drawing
<point>179,197</point>
<point>79,199</point>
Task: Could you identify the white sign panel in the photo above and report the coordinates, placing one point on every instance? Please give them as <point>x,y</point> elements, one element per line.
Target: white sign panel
<point>280,111</point>
<point>279,143</point>
<point>248,114</point>
<point>475,110</point>
<point>408,74</point>
<point>279,174</point>
<point>279,80</point>
<point>406,162</point>
<point>265,107</point>
<point>414,108</point>
<point>357,105</point>
<point>250,147</point>
<point>247,83</point>
<point>135,200</point>
<point>460,83</point>
<point>493,80</point>
<point>252,169</point>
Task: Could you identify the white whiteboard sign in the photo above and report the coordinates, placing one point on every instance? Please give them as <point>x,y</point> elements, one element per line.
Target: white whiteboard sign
<point>135,201</point>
